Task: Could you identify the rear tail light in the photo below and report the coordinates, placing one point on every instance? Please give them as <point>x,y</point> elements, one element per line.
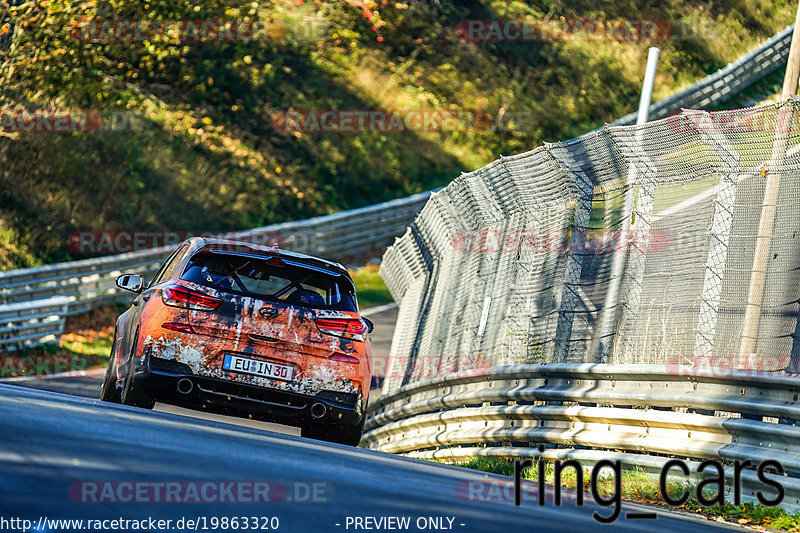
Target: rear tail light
<point>343,358</point>
<point>349,328</point>
<point>177,296</point>
<point>177,326</point>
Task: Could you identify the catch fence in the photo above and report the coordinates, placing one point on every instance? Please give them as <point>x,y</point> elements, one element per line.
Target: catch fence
<point>589,298</point>
<point>630,245</point>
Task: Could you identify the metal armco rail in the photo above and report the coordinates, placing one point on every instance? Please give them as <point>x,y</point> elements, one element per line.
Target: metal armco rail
<point>642,415</point>
<point>35,301</point>
<point>726,82</point>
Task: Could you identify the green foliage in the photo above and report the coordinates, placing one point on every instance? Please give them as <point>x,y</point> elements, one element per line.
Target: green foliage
<point>370,289</point>
<point>13,254</point>
<point>208,152</point>
<point>504,467</point>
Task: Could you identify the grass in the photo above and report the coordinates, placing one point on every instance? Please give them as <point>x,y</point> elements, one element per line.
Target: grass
<point>13,254</point>
<point>207,152</point>
<point>638,486</point>
<point>370,288</point>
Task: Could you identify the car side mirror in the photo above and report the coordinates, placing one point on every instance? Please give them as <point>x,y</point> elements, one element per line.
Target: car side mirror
<point>368,322</point>
<point>130,282</point>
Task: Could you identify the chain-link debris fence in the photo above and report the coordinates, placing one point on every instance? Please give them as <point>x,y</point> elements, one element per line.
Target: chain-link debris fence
<point>632,244</point>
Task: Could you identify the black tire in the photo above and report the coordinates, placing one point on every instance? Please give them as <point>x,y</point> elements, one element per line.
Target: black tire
<point>133,395</point>
<point>108,390</point>
<point>334,432</point>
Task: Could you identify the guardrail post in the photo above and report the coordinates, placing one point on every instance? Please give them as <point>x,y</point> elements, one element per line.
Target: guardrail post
<point>719,236</point>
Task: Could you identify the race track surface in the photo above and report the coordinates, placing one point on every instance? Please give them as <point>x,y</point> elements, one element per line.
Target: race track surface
<point>59,453</point>
<point>66,455</point>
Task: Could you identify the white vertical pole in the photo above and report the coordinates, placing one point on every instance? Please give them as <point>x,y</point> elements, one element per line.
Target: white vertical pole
<point>647,85</point>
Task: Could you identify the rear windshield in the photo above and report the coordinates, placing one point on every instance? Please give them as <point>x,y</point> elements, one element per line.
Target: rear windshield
<point>289,283</point>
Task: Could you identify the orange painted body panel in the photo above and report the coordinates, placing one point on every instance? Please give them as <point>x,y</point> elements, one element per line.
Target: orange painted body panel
<point>256,329</point>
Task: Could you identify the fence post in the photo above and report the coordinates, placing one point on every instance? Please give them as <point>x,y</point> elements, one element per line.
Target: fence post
<point>575,254</point>
<point>635,245</point>
<point>719,236</point>
<point>766,224</point>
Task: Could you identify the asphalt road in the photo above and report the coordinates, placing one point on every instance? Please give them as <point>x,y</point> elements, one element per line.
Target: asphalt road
<point>61,449</point>
<point>66,457</point>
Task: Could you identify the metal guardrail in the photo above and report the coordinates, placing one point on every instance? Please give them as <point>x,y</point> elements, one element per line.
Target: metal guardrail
<point>35,301</point>
<point>38,321</point>
<point>726,82</point>
<point>642,415</point>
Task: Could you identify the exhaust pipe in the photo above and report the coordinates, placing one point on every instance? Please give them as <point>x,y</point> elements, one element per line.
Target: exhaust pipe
<point>318,410</point>
<point>185,385</point>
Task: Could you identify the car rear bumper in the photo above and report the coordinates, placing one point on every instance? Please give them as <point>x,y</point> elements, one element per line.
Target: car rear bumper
<point>183,388</point>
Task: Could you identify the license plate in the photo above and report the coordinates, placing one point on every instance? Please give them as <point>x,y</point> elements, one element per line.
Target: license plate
<point>266,369</point>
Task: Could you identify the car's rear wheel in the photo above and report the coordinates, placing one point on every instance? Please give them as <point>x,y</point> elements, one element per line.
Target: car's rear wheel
<point>108,390</point>
<point>334,432</point>
<point>133,395</point>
